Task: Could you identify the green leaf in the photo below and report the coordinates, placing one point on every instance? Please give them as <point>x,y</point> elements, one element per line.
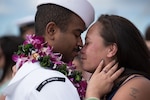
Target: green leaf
<point>27,48</point>
<point>63,69</point>
<point>45,61</point>
<point>77,76</point>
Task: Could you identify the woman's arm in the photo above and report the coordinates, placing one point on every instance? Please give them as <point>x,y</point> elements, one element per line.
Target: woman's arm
<point>137,88</point>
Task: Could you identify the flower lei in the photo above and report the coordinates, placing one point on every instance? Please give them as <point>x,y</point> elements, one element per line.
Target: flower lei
<point>34,49</point>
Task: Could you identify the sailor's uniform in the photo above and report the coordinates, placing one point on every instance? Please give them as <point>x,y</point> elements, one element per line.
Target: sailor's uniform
<point>32,82</point>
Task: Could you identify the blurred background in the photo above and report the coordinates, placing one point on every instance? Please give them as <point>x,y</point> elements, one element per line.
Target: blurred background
<point>137,11</point>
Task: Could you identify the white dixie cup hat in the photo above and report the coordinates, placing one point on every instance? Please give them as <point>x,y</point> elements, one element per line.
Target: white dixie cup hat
<point>25,21</point>
<point>80,7</point>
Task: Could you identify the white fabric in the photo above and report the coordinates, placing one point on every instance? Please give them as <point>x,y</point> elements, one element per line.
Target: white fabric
<point>80,7</point>
<point>30,76</point>
<point>25,21</point>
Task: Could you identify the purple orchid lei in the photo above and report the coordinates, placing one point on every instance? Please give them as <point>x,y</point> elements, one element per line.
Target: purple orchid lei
<point>35,49</point>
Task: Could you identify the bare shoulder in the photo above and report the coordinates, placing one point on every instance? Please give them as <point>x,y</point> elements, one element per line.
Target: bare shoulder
<point>136,89</point>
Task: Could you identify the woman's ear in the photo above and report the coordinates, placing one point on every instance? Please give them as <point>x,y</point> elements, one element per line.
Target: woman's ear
<point>51,30</point>
<point>112,50</point>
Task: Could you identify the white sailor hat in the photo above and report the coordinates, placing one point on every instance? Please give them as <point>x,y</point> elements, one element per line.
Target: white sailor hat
<point>80,7</point>
<point>25,21</point>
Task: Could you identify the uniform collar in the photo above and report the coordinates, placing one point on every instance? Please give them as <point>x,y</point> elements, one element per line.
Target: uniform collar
<point>26,69</point>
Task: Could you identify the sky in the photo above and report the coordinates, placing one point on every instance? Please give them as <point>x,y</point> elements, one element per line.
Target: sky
<point>137,11</point>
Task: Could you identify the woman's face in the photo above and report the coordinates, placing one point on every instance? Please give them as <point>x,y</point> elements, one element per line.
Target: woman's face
<point>94,49</point>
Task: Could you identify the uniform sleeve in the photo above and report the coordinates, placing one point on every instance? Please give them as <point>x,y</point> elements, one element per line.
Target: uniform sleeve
<point>55,90</point>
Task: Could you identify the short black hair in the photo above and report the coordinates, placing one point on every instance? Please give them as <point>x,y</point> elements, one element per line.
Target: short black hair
<point>51,13</point>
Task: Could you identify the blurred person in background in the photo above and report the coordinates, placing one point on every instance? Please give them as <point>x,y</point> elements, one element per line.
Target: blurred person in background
<point>147,37</point>
<point>8,45</point>
<point>26,26</point>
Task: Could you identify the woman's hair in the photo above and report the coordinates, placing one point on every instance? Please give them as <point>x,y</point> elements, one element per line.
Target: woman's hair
<point>132,51</point>
<point>46,13</point>
<point>9,45</point>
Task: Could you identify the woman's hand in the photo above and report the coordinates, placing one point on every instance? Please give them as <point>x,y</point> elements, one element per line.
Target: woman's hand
<point>103,79</point>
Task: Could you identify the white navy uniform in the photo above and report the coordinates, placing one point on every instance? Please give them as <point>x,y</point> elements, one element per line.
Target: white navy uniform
<point>32,82</point>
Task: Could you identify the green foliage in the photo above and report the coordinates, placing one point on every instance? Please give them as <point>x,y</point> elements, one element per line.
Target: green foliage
<point>63,69</point>
<point>77,76</point>
<point>45,61</point>
<point>25,49</point>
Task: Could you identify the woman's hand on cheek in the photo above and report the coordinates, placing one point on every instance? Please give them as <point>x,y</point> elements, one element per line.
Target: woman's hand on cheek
<point>102,80</point>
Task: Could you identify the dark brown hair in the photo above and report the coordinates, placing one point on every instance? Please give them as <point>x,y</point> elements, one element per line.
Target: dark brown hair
<point>9,45</point>
<point>132,51</point>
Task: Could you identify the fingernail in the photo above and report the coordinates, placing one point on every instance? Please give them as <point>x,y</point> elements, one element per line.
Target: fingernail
<point>113,61</point>
<point>122,68</point>
<point>102,60</point>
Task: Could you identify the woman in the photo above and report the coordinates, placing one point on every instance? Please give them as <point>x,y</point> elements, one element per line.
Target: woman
<point>8,45</point>
<point>116,38</point>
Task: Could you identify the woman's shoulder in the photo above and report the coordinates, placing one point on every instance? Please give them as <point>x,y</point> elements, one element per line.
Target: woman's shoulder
<point>136,88</point>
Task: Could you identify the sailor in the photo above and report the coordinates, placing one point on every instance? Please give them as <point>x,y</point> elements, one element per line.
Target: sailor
<point>61,23</point>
